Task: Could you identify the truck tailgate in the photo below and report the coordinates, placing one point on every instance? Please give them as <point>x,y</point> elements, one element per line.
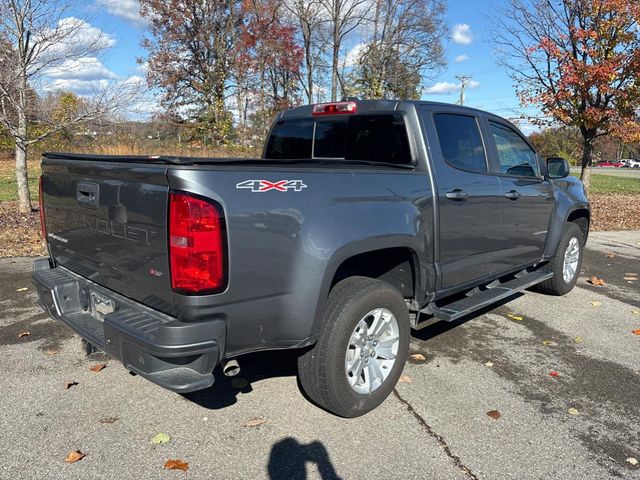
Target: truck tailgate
<point>107,222</point>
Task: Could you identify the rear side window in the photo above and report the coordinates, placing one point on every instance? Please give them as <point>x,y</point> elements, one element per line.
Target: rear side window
<point>376,138</point>
<point>460,141</point>
<point>290,139</point>
<point>515,155</point>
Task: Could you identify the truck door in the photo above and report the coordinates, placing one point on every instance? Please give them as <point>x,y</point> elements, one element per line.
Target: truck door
<point>468,196</point>
<point>526,196</point>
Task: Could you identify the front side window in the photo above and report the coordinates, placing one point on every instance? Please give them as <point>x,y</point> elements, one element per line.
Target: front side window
<point>515,155</point>
<point>460,141</point>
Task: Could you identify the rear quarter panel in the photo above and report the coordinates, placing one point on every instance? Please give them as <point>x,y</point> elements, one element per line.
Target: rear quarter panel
<point>284,247</point>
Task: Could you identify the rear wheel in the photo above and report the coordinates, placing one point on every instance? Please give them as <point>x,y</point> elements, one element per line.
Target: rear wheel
<point>566,263</point>
<point>361,350</point>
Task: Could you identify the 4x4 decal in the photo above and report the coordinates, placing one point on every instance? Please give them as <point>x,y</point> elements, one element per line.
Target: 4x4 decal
<point>266,185</point>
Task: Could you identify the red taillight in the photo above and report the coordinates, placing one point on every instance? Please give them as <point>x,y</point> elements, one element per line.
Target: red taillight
<point>43,226</point>
<point>196,245</point>
<point>334,108</point>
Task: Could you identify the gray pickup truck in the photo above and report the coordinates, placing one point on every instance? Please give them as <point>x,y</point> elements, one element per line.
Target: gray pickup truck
<point>361,220</point>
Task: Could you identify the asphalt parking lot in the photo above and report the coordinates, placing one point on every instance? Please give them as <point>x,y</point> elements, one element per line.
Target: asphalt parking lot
<point>581,422</point>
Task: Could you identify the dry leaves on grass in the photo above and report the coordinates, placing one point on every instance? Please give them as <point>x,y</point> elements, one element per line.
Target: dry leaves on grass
<point>69,384</point>
<point>495,414</point>
<point>177,465</point>
<point>598,282</point>
<point>614,212</point>
<point>24,334</point>
<point>75,456</point>
<point>19,232</point>
<point>98,368</point>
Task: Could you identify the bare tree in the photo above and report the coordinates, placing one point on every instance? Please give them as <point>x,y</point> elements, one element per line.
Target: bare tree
<point>343,17</point>
<point>403,49</point>
<point>308,16</point>
<point>37,38</point>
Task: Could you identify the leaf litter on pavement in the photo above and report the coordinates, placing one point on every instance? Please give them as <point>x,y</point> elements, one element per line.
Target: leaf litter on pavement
<point>74,456</point>
<point>598,282</point>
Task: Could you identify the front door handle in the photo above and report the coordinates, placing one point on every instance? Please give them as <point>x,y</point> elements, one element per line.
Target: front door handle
<point>457,194</point>
<point>512,195</point>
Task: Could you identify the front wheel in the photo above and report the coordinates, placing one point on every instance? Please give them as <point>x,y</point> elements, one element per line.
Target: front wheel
<point>361,350</point>
<point>566,263</point>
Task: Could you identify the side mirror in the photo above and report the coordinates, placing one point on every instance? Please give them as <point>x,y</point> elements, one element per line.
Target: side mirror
<point>558,167</point>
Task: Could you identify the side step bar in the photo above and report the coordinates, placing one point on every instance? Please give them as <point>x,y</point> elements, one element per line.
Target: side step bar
<point>477,299</point>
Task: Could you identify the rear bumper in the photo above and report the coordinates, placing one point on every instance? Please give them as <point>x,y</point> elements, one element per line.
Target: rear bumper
<point>178,356</point>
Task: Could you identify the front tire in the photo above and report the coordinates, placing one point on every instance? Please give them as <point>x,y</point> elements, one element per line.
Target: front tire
<point>566,263</point>
<point>361,350</point>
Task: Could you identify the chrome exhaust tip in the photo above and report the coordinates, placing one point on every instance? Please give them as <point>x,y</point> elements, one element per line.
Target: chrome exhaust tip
<point>230,368</point>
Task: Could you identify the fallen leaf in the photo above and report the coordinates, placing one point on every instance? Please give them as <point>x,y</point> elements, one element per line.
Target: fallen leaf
<point>176,465</point>
<point>553,373</point>
<point>631,278</point>
<point>632,461</point>
<point>418,357</point>
<point>109,420</point>
<point>256,422</point>
<point>635,312</point>
<point>68,385</point>
<point>631,274</point>
<point>495,414</point>
<point>24,334</point>
<point>596,303</point>
<point>636,332</point>
<point>573,411</point>
<point>610,255</point>
<point>73,457</point>
<point>578,340</point>
<point>160,438</point>
<point>513,316</point>
<point>488,364</point>
<point>98,368</point>
<point>596,281</point>
<point>51,352</point>
<point>405,379</point>
<point>22,289</point>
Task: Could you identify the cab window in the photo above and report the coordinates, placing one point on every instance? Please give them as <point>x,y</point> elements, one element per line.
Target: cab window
<point>516,157</point>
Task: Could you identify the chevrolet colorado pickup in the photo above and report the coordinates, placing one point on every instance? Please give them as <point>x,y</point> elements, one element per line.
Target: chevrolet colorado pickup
<point>361,220</point>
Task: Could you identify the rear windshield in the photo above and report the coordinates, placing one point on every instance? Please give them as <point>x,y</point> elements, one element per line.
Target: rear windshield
<point>376,138</point>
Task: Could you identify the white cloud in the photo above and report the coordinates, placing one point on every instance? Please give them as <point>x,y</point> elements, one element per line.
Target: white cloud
<point>77,36</point>
<point>128,10</point>
<point>77,86</point>
<point>461,34</point>
<point>461,58</point>
<point>444,88</point>
<point>353,55</point>
<point>84,68</point>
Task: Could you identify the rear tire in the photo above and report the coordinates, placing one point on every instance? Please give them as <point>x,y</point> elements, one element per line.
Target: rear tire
<point>349,371</point>
<point>565,260</point>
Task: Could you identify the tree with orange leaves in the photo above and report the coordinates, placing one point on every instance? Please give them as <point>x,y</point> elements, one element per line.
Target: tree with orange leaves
<point>579,60</point>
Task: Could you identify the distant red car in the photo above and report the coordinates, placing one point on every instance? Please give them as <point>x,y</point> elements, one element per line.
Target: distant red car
<point>610,163</point>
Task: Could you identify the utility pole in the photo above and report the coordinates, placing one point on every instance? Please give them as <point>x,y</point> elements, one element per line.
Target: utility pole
<point>464,81</point>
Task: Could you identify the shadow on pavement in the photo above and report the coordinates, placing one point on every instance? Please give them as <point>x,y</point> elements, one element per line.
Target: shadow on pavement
<point>253,368</point>
<point>288,459</point>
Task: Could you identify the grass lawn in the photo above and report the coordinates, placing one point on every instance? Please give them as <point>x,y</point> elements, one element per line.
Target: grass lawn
<point>611,185</point>
<point>8,188</point>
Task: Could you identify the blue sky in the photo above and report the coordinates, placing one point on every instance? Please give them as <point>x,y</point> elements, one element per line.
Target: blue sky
<point>468,51</point>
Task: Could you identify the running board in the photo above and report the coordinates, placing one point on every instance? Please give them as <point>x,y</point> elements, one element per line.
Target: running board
<point>477,299</point>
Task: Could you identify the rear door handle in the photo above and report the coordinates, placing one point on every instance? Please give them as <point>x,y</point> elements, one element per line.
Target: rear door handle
<point>457,194</point>
<point>512,195</point>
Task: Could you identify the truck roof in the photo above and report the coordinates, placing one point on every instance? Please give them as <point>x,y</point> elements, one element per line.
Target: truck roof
<point>379,106</point>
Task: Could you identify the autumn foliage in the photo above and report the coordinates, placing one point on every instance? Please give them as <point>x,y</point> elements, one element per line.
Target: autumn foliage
<point>579,60</point>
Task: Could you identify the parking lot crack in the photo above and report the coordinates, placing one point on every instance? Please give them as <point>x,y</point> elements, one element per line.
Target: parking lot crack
<point>439,438</point>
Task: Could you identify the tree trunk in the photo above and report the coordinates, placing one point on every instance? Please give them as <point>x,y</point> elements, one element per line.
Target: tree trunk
<point>334,70</point>
<point>587,160</point>
<point>24,196</point>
